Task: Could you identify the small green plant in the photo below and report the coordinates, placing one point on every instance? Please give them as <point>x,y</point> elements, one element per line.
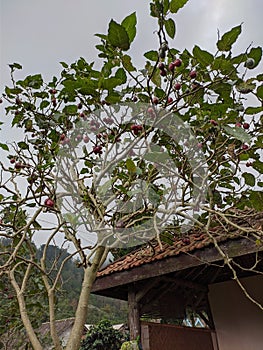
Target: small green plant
<point>103,336</point>
<point>130,345</point>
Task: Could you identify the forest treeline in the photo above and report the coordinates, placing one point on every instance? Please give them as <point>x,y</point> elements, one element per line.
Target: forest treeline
<point>69,288</point>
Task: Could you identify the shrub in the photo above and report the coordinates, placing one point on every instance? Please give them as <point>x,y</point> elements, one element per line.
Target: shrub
<point>103,336</point>
<point>130,345</point>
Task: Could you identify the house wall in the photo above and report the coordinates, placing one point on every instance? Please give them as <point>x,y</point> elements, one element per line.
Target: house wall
<point>238,322</point>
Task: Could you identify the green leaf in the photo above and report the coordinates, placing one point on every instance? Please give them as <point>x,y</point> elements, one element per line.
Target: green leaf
<point>88,87</point>
<point>249,179</point>
<point>4,146</point>
<point>225,66</point>
<point>259,141</point>
<point>175,5</point>
<point>153,196</point>
<point>256,199</point>
<point>130,166</point>
<point>64,65</point>
<point>118,36</point>
<point>228,39</point>
<point>238,133</point>
<point>143,97</point>
<point>258,165</point>
<point>205,58</point>
<point>88,163</point>
<point>260,92</point>
<point>107,69</point>
<point>223,90</point>
<point>53,135</point>
<point>129,23</point>
<point>260,77</point>
<point>85,86</point>
<point>100,48</point>
<point>101,36</point>
<point>173,52</point>
<point>170,27</point>
<point>256,54</point>
<point>44,104</point>
<point>253,110</point>
<point>23,145</point>
<point>121,76</point>
<point>154,12</point>
<point>152,55</point>
<point>165,6</point>
<point>150,71</point>
<point>244,156</point>
<point>70,109</point>
<point>160,93</point>
<point>245,87</point>
<point>14,91</point>
<point>239,59</point>
<point>157,157</point>
<point>41,94</point>
<point>113,97</point>
<point>127,64</point>
<point>15,66</point>
<point>84,171</point>
<point>34,81</point>
<point>110,83</point>
<point>31,205</point>
<point>156,78</point>
<point>17,118</point>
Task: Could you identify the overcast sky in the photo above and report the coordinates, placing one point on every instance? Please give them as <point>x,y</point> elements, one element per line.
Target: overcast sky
<point>39,34</point>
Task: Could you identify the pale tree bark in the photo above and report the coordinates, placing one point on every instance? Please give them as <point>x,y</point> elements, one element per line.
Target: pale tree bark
<point>82,309</point>
<point>53,331</point>
<point>22,308</point>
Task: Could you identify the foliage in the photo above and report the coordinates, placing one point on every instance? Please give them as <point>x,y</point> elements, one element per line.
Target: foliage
<point>130,345</point>
<point>102,336</point>
<point>67,296</point>
<point>116,311</point>
<point>35,298</point>
<point>114,157</point>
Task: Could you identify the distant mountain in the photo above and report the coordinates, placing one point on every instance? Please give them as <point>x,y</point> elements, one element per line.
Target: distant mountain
<point>68,294</point>
<point>71,280</point>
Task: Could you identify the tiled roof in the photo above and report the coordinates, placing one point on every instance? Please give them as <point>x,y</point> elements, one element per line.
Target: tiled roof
<point>192,242</point>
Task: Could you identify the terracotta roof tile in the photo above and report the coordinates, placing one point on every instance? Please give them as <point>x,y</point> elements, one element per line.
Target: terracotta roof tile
<point>196,240</point>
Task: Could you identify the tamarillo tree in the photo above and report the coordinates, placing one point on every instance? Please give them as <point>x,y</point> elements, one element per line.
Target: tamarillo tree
<point>112,158</point>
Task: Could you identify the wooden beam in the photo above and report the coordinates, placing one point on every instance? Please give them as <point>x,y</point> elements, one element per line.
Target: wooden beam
<point>134,314</point>
<point>157,293</point>
<point>143,291</point>
<point>188,284</point>
<point>233,248</point>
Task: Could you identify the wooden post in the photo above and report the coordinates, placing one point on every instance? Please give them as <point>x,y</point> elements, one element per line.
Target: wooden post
<point>134,315</point>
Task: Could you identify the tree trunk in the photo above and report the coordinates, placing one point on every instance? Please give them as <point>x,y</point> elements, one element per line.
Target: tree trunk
<point>22,308</point>
<point>82,309</point>
<point>27,324</point>
<point>53,331</point>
